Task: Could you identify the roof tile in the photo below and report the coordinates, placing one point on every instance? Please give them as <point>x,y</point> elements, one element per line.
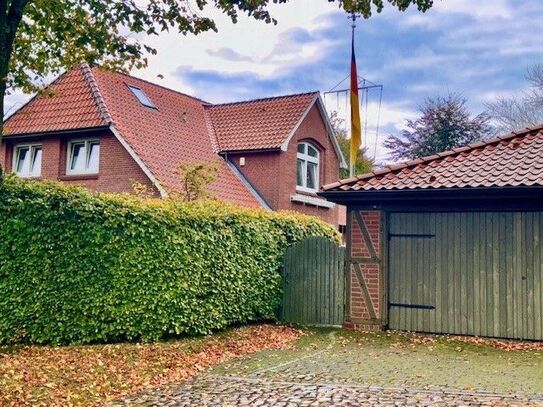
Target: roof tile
<point>258,124</point>
<point>514,159</point>
<point>68,103</point>
<point>176,132</point>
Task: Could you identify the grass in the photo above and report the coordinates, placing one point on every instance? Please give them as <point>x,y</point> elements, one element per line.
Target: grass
<point>94,375</point>
<point>400,360</point>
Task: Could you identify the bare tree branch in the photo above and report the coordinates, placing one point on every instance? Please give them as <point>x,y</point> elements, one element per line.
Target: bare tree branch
<point>526,110</point>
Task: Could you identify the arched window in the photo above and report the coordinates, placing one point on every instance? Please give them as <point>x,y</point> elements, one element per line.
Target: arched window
<point>307,178</point>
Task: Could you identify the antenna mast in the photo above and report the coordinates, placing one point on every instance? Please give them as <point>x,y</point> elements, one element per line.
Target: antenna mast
<point>364,85</point>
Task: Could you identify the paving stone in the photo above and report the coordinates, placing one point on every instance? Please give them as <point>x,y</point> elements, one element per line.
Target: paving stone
<point>239,391</point>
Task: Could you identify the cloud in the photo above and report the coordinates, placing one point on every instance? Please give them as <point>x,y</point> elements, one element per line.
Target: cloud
<point>480,50</point>
<point>228,54</point>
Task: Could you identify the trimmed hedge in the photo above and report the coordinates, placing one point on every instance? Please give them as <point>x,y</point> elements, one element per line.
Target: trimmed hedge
<point>81,267</point>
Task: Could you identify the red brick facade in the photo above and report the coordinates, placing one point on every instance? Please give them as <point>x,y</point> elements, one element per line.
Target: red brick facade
<point>366,307</point>
<point>273,173</point>
<point>117,169</point>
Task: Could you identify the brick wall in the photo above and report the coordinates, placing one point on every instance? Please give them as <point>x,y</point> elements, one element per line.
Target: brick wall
<point>365,303</point>
<point>262,169</point>
<point>273,173</point>
<point>117,169</point>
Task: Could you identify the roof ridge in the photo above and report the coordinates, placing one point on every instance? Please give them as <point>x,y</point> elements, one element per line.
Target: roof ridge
<point>448,153</point>
<point>290,95</point>
<point>211,132</point>
<point>89,78</point>
<point>156,84</point>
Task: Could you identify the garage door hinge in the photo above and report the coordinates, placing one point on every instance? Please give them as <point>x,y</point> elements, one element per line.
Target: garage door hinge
<point>410,235</point>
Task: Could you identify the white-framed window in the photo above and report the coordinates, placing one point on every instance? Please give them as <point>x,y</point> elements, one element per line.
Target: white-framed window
<point>307,167</point>
<point>27,160</point>
<point>83,157</point>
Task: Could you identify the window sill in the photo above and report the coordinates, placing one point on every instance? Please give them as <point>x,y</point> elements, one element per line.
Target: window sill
<point>307,192</point>
<point>77,177</point>
<point>312,200</point>
<point>31,178</point>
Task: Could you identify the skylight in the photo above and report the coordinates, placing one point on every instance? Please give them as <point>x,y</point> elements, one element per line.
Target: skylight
<point>142,97</point>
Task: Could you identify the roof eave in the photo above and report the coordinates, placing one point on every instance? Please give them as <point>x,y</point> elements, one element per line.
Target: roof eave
<point>250,150</point>
<point>10,136</point>
<point>320,104</point>
<point>404,195</point>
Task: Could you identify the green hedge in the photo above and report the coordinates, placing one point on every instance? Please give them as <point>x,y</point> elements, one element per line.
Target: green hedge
<point>78,267</point>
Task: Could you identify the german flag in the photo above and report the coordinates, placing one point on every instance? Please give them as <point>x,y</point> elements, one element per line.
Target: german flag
<point>356,128</point>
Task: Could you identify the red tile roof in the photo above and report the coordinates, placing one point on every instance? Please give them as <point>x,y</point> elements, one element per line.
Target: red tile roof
<point>259,124</point>
<point>67,104</point>
<point>178,131</point>
<point>515,159</point>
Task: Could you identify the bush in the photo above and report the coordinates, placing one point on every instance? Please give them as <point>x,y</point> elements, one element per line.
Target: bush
<point>80,267</point>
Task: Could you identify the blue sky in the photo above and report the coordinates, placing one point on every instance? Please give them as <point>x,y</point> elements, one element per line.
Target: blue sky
<point>480,49</point>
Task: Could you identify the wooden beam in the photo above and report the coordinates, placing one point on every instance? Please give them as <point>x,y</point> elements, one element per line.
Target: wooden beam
<point>365,234</point>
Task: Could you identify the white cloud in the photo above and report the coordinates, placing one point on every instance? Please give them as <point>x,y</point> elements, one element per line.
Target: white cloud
<point>253,39</point>
<point>228,54</point>
<point>480,10</point>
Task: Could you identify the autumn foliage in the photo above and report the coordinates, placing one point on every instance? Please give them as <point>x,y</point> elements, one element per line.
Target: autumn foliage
<point>92,375</point>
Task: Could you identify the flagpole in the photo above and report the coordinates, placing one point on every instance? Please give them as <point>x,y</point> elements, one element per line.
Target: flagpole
<point>353,26</point>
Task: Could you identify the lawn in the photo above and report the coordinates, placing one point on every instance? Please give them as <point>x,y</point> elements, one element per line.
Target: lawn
<point>94,375</point>
<point>399,360</point>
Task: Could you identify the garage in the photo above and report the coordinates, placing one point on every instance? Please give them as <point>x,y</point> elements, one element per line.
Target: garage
<point>449,243</point>
<point>474,273</point>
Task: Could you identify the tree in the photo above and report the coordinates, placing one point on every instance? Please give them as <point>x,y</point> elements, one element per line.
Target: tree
<point>194,179</point>
<point>363,163</point>
<point>445,123</point>
<point>39,38</point>
<point>511,114</point>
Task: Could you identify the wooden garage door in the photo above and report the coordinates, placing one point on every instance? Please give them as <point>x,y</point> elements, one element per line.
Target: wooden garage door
<point>474,273</point>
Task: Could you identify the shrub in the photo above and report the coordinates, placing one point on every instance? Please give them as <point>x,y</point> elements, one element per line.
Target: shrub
<point>81,267</point>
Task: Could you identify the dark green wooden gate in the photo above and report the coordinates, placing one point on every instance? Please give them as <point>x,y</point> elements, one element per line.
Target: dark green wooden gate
<point>475,273</point>
<point>314,283</point>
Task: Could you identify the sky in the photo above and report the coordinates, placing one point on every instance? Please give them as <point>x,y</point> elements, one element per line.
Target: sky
<point>479,49</point>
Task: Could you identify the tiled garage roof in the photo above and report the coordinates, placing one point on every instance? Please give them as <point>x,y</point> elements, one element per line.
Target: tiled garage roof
<point>259,124</point>
<point>515,159</point>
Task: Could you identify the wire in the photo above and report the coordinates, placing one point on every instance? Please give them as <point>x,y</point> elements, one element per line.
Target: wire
<point>346,112</point>
<point>339,83</point>
<point>366,115</point>
<point>378,124</point>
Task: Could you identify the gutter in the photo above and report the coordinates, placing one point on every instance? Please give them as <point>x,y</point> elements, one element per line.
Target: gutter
<point>403,195</point>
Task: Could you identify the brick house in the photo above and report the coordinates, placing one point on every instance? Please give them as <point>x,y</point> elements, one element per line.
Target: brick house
<point>104,130</point>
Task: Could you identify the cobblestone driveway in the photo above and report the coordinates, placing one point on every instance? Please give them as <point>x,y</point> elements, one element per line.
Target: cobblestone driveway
<point>234,391</point>
<point>343,369</point>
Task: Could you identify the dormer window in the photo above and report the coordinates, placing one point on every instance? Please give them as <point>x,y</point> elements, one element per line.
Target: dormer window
<point>27,160</point>
<point>307,170</point>
<point>142,97</point>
